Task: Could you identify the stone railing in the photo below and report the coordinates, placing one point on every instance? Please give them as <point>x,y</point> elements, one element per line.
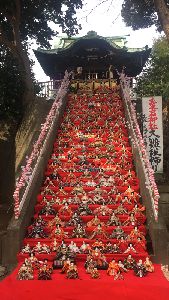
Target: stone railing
<point>48,89</point>
<point>18,226</point>
<point>155,223</point>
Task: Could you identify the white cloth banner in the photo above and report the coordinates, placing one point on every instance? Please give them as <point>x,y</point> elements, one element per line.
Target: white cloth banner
<point>153,131</point>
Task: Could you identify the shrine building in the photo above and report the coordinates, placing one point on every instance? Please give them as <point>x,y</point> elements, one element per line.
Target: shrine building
<point>93,55</point>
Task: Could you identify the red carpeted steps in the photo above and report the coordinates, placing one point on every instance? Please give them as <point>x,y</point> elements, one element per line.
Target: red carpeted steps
<point>91,166</point>
<point>89,163</point>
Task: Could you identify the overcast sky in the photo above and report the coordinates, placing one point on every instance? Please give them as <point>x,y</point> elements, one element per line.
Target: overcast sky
<point>106,20</point>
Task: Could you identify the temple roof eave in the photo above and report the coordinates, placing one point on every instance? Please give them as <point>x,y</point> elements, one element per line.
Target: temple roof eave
<point>95,51</point>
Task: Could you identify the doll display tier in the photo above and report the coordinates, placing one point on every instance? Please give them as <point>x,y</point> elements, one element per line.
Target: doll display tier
<point>89,200</point>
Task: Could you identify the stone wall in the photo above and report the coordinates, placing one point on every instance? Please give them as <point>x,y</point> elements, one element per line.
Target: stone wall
<point>17,228</point>
<point>164,203</point>
<point>157,229</point>
<point>30,129</point>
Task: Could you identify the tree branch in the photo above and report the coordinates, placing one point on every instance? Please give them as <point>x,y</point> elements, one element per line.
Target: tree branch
<point>92,9</point>
<point>163,14</point>
<point>5,41</point>
<point>18,11</point>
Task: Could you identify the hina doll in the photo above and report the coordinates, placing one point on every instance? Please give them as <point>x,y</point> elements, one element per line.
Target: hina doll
<point>45,249</point>
<point>113,269</point>
<point>78,190</point>
<point>56,221</point>
<point>65,210</point>
<point>61,256</point>
<point>73,248</point>
<point>47,210</point>
<point>139,245</point>
<point>26,249</point>
<point>131,221</point>
<point>139,269</point>
<point>120,210</point>
<point>39,221</point>
<point>33,261</point>
<point>103,210</point>
<point>108,247</point>
<point>115,249</point>
<point>72,272</point>
<point>99,258</point>
<point>135,233</point>
<point>45,271</point>
<point>99,231</point>
<point>138,210</point>
<point>66,265</point>
<point>122,267</point>
<point>37,248</point>
<point>36,231</point>
<point>129,262</point>
<point>25,273</point>
<point>85,248</point>
<point>94,222</point>
<point>98,244</point>
<point>130,249</point>
<point>148,265</point>
<point>90,264</point>
<point>126,200</point>
<point>78,232</point>
<point>47,191</point>
<point>117,233</point>
<point>74,200</point>
<point>109,200</point>
<point>94,273</point>
<point>48,182</point>
<point>113,220</point>
<point>84,210</point>
<point>54,245</point>
<point>58,233</point>
<point>74,220</point>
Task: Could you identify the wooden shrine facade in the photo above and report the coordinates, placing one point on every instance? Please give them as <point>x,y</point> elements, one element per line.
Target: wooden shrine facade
<point>94,55</point>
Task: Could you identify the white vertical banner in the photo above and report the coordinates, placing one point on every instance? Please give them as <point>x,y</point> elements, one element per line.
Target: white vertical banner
<point>153,131</point>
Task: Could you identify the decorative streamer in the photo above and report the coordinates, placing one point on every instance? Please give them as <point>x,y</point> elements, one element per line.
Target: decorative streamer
<point>139,143</point>
<point>26,175</point>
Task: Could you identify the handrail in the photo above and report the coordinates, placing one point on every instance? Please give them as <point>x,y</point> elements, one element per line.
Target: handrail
<point>27,175</point>
<point>48,87</point>
<point>138,143</point>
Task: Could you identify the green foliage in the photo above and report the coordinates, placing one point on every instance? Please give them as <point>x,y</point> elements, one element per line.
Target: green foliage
<point>35,17</point>
<point>155,81</point>
<point>141,14</point>
<point>11,87</point>
<point>20,22</point>
<point>155,77</point>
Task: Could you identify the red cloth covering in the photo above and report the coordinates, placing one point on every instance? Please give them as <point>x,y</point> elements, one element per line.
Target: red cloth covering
<point>94,141</point>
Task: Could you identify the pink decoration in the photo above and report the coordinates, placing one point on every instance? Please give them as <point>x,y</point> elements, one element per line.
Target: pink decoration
<point>27,170</point>
<point>138,140</point>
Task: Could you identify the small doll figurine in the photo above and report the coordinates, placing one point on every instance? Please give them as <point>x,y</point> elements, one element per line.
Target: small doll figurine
<point>95,273</point>
<point>47,210</point>
<point>54,245</point>
<point>72,272</point>
<point>139,269</point>
<point>45,271</point>
<point>99,231</point>
<point>85,248</point>
<point>114,270</point>
<point>117,233</point>
<point>130,249</point>
<point>26,250</point>
<point>79,232</point>
<point>25,273</point>
<point>148,265</point>
<point>129,262</point>
<point>66,265</point>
